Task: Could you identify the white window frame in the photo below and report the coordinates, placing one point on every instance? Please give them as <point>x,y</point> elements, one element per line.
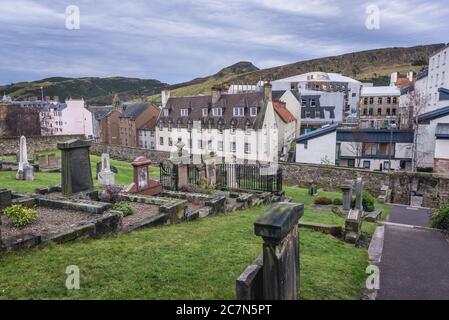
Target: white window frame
<point>165,112</point>
<point>217,112</point>
<point>205,112</point>
<point>238,112</point>
<point>184,112</point>
<point>253,112</point>
<point>233,146</point>
<point>220,145</point>
<point>247,148</point>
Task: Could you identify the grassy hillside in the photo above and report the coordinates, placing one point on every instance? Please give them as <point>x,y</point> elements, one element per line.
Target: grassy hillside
<point>370,66</point>
<point>94,90</point>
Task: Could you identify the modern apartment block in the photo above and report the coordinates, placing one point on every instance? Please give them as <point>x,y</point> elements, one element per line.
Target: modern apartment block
<point>379,107</point>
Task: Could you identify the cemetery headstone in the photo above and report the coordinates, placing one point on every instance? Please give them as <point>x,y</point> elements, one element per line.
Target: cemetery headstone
<point>353,222</point>
<point>313,189</point>
<point>76,172</point>
<point>25,170</point>
<point>106,177</point>
<point>281,269</point>
<point>346,189</point>
<point>142,184</point>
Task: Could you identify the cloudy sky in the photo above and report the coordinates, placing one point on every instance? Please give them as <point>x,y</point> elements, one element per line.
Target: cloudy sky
<point>177,40</point>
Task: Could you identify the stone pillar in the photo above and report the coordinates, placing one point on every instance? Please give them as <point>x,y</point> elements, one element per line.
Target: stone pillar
<point>346,189</point>
<point>279,230</point>
<point>25,170</point>
<point>183,175</point>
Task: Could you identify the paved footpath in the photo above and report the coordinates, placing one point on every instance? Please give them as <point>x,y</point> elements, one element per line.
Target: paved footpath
<point>415,261</point>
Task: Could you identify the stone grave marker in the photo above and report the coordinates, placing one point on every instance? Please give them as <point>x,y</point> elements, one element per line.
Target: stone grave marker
<point>106,177</point>
<point>275,276</point>
<point>76,172</point>
<point>25,170</point>
<point>142,184</point>
<point>353,222</point>
<point>346,189</point>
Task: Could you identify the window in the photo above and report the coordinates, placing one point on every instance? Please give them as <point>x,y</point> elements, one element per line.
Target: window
<point>444,57</point>
<point>370,149</point>
<point>239,112</point>
<point>152,133</point>
<point>312,102</point>
<point>209,145</point>
<point>370,111</point>
<point>233,147</point>
<point>247,148</point>
<point>161,141</point>
<point>253,112</point>
<point>200,144</point>
<point>351,163</point>
<point>217,112</point>
<point>393,111</point>
<point>366,164</point>
<point>387,165</point>
<point>170,142</point>
<point>365,111</point>
<point>388,111</point>
<point>443,75</point>
<point>388,100</point>
<point>165,112</point>
<point>303,102</point>
<point>184,112</point>
<point>371,100</point>
<point>205,112</point>
<point>379,100</point>
<point>379,111</point>
<point>395,100</point>
<point>220,145</point>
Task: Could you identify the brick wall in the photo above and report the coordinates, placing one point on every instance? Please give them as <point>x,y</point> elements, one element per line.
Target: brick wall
<point>128,153</point>
<point>435,188</point>
<point>10,145</point>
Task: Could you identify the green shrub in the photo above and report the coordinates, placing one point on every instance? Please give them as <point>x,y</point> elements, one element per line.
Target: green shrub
<point>323,201</point>
<point>123,207</point>
<point>440,218</point>
<point>20,216</point>
<point>368,202</point>
<point>338,201</point>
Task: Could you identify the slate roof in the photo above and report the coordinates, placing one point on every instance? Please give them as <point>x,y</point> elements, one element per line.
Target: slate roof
<point>422,74</point>
<point>444,94</point>
<point>98,115</point>
<point>277,94</point>
<point>442,131</point>
<point>132,111</point>
<point>435,114</point>
<point>380,91</point>
<point>227,102</point>
<point>317,133</point>
<point>375,135</point>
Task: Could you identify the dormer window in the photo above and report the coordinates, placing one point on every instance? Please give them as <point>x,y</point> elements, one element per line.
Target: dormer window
<point>217,112</point>
<point>253,111</point>
<point>205,112</point>
<point>239,112</point>
<point>184,112</point>
<point>165,112</point>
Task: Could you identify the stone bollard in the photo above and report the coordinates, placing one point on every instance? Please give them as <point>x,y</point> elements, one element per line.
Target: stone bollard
<point>346,189</point>
<point>279,230</point>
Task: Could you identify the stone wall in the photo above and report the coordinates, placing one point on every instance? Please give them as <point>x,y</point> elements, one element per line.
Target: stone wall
<point>434,188</point>
<point>128,153</point>
<point>10,145</point>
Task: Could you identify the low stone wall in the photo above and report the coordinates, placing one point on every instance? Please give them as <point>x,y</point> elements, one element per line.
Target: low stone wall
<point>10,145</point>
<point>434,188</point>
<point>128,153</point>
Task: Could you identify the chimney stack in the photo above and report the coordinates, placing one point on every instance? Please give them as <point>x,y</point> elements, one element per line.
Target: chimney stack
<point>165,95</point>
<point>268,91</point>
<point>216,94</point>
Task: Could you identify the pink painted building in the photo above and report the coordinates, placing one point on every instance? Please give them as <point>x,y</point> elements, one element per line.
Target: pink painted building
<point>69,118</point>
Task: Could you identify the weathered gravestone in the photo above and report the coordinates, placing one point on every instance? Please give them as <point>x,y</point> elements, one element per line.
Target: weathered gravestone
<point>142,183</point>
<point>106,177</point>
<point>346,189</point>
<point>25,170</point>
<point>353,223</point>
<point>313,189</point>
<point>5,201</point>
<point>275,276</point>
<point>76,172</point>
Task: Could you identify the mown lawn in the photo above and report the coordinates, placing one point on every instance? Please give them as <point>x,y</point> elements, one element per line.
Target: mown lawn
<point>124,176</point>
<point>197,260</point>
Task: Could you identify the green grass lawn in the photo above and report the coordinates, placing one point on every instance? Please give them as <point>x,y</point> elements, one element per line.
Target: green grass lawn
<point>197,260</point>
<point>124,176</point>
